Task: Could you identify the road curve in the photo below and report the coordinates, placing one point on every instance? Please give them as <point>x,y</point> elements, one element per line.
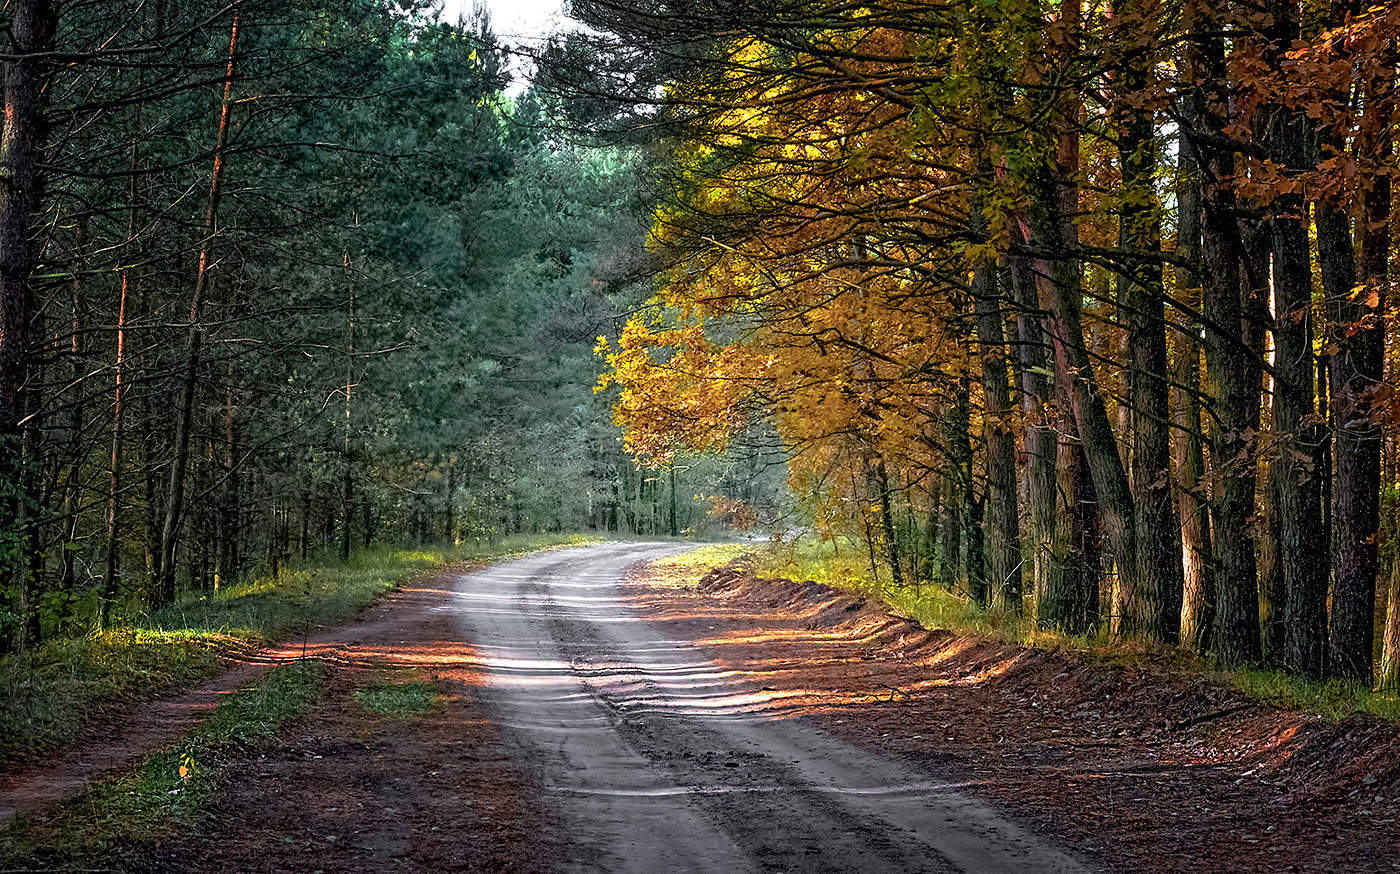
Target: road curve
<point>657,759</point>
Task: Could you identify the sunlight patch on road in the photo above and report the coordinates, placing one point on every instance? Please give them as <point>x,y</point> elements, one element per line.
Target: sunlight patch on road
<point>759,789</point>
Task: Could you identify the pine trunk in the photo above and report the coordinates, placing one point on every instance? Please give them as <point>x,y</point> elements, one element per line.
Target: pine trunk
<point>32,28</point>
<point>1150,594</point>
<point>1357,329</point>
<point>164,590</point>
<point>1232,376</point>
<point>1002,519</point>
<point>1188,450</point>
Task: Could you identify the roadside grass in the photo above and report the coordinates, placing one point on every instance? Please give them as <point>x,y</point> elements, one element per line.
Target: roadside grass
<point>845,565</point>
<point>1334,699</point>
<point>172,790</point>
<point>398,699</point>
<point>47,693</point>
<point>685,568</point>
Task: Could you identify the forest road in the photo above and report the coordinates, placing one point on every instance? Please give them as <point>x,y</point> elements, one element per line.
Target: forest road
<point>655,759</point>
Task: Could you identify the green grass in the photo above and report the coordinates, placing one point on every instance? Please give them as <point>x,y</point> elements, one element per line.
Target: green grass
<point>846,565</point>
<point>46,692</point>
<point>1335,699</point>
<point>687,567</point>
<point>171,790</point>
<point>409,698</point>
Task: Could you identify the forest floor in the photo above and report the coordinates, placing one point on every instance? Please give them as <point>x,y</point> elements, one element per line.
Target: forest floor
<point>582,710</point>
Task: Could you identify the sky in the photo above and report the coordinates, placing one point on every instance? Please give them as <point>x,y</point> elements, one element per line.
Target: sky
<point>516,23</point>
<point>515,19</point>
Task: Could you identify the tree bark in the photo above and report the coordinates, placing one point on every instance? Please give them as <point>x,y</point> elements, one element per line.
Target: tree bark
<point>1188,448</point>
<point>882,483</point>
<point>111,580</point>
<point>164,590</point>
<point>1295,470</point>
<point>1002,518</point>
<point>1150,594</point>
<point>1390,645</point>
<point>1232,378</point>
<point>1037,437</point>
<point>32,28</point>
<point>1070,599</point>
<point>1055,232</point>
<point>1356,319</point>
<point>953,553</point>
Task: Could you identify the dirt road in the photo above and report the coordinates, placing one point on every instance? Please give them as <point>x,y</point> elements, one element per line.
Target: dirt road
<point>657,759</point>
<point>597,714</point>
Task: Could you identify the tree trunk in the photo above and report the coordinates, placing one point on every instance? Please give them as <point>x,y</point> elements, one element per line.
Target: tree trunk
<point>112,577</point>
<point>674,523</point>
<point>1390,645</point>
<point>1070,600</point>
<point>1188,450</point>
<point>164,591</point>
<point>882,483</point>
<point>1389,679</point>
<point>956,492</point>
<point>1038,436</point>
<point>1150,595</point>
<point>1357,330</point>
<point>1002,519</point>
<point>228,570</point>
<point>32,28</point>
<point>72,485</point>
<point>1232,378</point>
<point>1295,470</point>
<point>1054,231</point>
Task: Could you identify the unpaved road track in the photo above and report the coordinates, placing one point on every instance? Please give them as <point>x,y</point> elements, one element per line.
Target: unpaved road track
<point>656,759</point>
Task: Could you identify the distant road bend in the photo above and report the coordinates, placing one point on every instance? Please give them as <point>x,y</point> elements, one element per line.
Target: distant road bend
<point>657,759</point>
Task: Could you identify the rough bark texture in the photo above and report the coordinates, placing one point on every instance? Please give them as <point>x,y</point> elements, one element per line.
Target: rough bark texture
<point>1188,452</point>
<point>1096,436</point>
<point>1150,609</point>
<point>1053,232</point>
<point>32,28</point>
<point>1390,644</point>
<point>1295,471</point>
<point>1038,437</point>
<point>955,553</point>
<point>1357,330</point>
<point>1232,377</point>
<point>891,537</point>
<point>1001,526</point>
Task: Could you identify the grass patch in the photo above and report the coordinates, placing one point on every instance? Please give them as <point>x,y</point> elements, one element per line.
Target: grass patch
<point>46,692</point>
<point>1335,699</point>
<point>846,565</point>
<point>684,568</point>
<point>410,698</point>
<point>171,790</point>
